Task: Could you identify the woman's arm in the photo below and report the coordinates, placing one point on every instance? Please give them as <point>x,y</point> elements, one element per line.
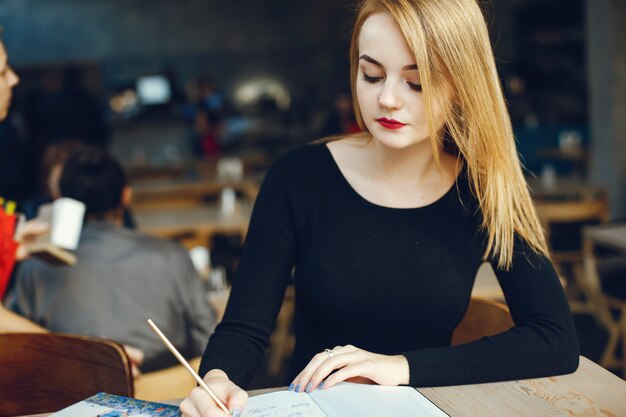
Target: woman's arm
<point>239,342</point>
<point>11,322</point>
<point>542,343</point>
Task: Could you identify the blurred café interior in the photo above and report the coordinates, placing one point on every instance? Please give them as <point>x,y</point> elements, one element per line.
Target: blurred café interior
<point>197,98</point>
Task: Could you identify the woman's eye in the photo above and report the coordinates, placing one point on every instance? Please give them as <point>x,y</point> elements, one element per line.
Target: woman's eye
<point>415,86</point>
<point>370,79</point>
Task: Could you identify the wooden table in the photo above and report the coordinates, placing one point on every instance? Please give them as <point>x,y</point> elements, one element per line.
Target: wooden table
<point>565,190</point>
<point>590,391</point>
<point>197,223</point>
<point>189,191</point>
<point>610,235</point>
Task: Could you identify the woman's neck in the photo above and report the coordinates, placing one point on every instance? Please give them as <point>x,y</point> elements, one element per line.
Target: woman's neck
<point>415,164</point>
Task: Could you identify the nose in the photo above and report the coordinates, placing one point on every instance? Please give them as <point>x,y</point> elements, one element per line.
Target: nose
<point>13,78</point>
<point>389,97</point>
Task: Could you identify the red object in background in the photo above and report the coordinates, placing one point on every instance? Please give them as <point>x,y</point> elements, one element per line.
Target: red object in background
<point>8,247</point>
<point>209,145</point>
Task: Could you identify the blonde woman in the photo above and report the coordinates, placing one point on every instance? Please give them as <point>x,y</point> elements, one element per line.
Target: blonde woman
<point>387,229</point>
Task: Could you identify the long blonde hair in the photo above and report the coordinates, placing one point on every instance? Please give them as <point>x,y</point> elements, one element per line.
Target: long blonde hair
<point>450,42</point>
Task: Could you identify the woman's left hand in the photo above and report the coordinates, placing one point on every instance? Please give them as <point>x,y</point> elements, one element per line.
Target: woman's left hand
<point>351,363</point>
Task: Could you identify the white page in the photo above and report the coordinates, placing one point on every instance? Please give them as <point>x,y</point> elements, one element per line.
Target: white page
<point>282,404</point>
<point>83,409</point>
<point>359,400</point>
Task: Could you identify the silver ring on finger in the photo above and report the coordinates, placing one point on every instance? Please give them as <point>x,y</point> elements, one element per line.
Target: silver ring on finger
<point>329,352</point>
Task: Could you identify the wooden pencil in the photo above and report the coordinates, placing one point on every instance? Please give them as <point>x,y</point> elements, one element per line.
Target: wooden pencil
<point>184,362</point>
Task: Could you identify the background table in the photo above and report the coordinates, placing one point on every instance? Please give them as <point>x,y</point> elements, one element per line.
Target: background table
<point>611,235</point>
<point>199,222</point>
<point>189,192</point>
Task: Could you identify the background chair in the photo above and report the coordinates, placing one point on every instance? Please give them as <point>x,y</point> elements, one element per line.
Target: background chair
<point>41,373</point>
<point>563,222</point>
<point>605,271</point>
<point>482,318</point>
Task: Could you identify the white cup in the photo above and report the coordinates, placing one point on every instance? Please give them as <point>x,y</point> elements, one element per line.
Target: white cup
<point>228,201</point>
<point>65,219</point>
<point>201,259</point>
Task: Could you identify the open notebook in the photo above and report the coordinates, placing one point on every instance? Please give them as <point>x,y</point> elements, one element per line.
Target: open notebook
<point>344,400</point>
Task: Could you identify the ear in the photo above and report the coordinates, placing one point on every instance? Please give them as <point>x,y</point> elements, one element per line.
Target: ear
<point>127,196</point>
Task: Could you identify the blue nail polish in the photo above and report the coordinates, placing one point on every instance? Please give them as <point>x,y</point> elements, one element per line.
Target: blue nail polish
<point>290,387</point>
<point>236,412</point>
<point>320,386</point>
<point>308,387</point>
<point>298,388</point>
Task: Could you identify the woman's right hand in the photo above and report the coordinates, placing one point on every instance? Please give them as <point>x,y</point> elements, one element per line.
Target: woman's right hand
<point>200,404</point>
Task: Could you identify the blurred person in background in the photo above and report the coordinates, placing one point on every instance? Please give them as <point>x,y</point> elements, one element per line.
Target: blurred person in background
<point>207,129</point>
<point>208,113</point>
<point>17,181</point>
<point>52,163</point>
<point>121,277</point>
<point>11,322</point>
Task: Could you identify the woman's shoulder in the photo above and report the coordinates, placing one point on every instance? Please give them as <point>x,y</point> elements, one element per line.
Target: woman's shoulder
<point>314,152</point>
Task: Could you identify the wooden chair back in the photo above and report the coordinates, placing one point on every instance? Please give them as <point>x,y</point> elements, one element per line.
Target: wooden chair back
<point>482,318</point>
<point>42,373</point>
<point>571,211</point>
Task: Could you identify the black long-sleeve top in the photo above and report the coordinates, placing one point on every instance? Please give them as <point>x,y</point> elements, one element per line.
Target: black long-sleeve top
<point>387,280</point>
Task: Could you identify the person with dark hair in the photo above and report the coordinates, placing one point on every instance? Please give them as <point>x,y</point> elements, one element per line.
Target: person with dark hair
<point>121,277</point>
<point>96,179</point>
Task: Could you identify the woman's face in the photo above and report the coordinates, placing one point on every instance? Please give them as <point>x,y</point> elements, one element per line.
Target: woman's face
<point>388,86</point>
<point>8,80</point>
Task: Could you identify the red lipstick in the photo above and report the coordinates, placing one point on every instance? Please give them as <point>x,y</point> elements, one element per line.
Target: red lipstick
<point>390,123</point>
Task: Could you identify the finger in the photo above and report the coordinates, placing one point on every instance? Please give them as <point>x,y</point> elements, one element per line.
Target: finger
<point>22,253</point>
<point>301,381</point>
<point>136,355</point>
<point>187,409</point>
<point>237,399</point>
<point>304,379</point>
<point>350,371</point>
<point>336,362</point>
<point>135,371</point>
<point>204,404</point>
<point>31,230</point>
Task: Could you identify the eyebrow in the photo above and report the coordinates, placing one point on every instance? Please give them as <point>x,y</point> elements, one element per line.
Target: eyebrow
<point>368,58</point>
